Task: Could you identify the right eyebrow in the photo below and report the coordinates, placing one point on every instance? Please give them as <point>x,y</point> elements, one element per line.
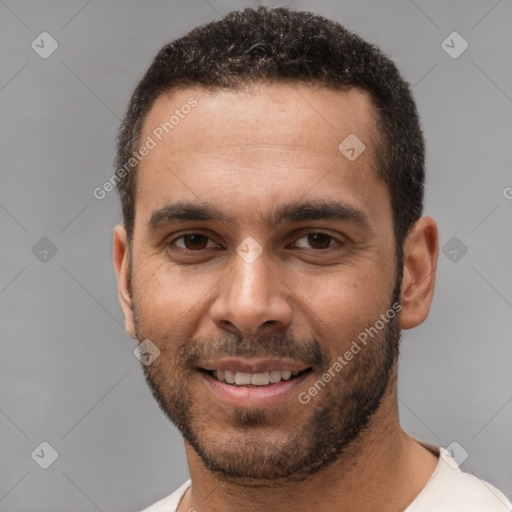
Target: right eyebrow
<point>183,211</point>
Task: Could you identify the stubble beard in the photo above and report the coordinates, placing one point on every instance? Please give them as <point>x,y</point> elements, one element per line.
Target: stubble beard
<point>256,453</point>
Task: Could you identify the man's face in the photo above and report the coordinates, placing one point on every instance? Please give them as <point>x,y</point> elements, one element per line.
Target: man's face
<point>251,294</point>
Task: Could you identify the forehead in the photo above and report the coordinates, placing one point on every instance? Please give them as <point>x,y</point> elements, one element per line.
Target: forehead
<point>260,142</point>
<point>262,112</point>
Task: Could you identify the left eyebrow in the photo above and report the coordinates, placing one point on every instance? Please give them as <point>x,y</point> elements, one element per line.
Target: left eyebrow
<point>306,211</point>
<point>292,212</point>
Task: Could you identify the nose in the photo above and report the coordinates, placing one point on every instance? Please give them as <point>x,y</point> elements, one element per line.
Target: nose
<point>252,299</point>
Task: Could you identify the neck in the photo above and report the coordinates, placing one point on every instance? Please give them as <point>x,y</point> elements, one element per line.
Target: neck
<point>384,469</point>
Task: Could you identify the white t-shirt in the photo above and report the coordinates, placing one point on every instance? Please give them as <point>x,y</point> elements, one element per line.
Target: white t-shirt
<point>448,490</point>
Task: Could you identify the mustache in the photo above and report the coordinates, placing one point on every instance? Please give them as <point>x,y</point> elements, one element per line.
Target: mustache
<point>237,345</point>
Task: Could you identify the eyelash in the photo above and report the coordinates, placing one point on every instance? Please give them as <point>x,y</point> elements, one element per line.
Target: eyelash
<point>180,250</point>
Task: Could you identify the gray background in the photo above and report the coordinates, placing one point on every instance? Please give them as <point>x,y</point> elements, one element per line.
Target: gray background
<point>68,375</point>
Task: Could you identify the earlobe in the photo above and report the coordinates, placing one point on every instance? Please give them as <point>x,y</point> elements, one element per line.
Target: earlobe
<point>421,250</point>
<point>122,268</point>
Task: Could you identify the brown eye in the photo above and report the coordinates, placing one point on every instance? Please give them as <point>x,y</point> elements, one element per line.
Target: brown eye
<point>195,241</point>
<point>318,241</point>
<point>190,242</point>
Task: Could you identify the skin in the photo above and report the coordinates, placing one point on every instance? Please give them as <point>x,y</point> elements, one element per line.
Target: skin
<point>247,151</point>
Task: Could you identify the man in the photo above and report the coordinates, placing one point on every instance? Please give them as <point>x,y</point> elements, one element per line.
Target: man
<point>271,170</point>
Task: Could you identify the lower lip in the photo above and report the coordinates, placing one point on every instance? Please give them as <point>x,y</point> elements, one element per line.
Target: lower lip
<point>243,396</point>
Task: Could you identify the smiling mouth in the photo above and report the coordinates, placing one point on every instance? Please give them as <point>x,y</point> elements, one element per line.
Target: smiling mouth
<point>244,379</point>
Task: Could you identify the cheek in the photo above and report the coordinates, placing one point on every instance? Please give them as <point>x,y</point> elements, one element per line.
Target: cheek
<point>333,302</point>
<point>168,297</point>
<point>342,304</point>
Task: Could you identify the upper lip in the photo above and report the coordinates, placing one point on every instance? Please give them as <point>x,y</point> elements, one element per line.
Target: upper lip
<point>253,365</point>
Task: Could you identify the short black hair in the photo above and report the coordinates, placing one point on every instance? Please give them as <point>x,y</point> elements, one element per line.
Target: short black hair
<point>282,45</point>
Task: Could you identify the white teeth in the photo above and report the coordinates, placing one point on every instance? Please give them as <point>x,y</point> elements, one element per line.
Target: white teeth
<point>260,379</point>
<point>255,379</point>
<point>275,376</point>
<point>242,378</point>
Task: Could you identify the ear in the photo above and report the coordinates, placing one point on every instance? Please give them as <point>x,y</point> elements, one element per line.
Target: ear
<point>121,265</point>
<point>421,250</point>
